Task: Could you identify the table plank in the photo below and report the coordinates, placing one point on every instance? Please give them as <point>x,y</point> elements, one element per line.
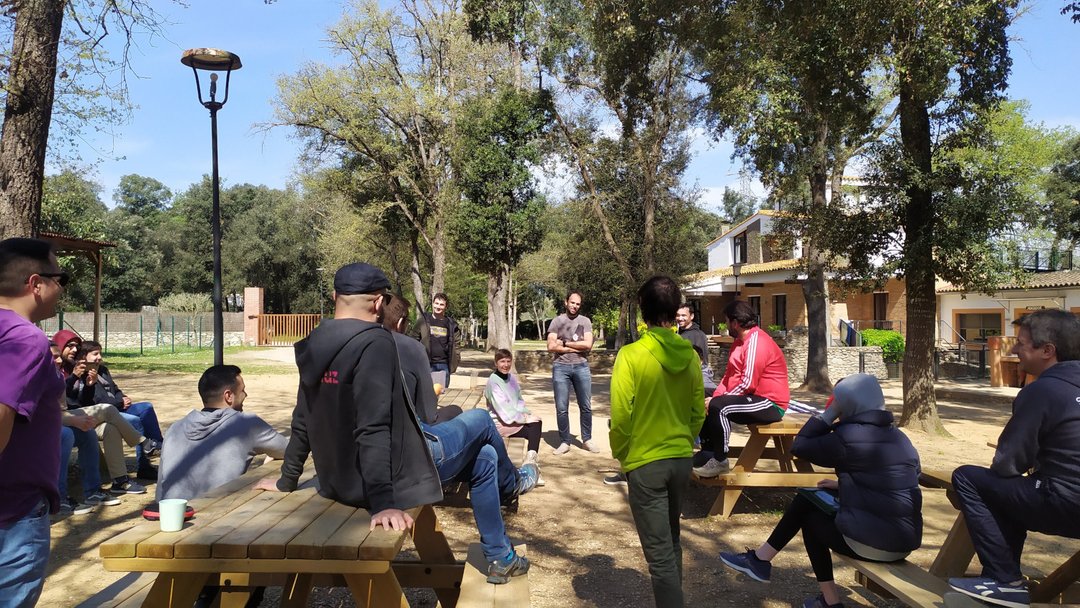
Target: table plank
<point>199,541</point>
<point>235,543</point>
<point>308,544</point>
<point>345,543</point>
<point>272,543</point>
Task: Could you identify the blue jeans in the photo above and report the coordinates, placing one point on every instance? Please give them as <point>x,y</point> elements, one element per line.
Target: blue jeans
<point>89,459</point>
<point>562,376</point>
<point>24,553</point>
<point>445,369</point>
<point>142,416</point>
<point>469,448</point>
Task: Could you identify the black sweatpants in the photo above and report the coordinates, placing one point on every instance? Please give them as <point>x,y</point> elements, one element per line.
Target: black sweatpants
<point>656,495</point>
<point>820,534</point>
<point>531,432</point>
<point>741,409</point>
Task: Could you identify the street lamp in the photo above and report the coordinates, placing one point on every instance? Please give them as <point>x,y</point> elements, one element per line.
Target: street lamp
<point>735,270</point>
<point>214,60</point>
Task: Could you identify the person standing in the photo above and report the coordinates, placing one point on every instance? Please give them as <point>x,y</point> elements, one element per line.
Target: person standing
<point>690,330</point>
<point>31,390</point>
<point>1033,482</point>
<point>439,334</point>
<point>656,411</point>
<point>754,389</point>
<point>569,339</point>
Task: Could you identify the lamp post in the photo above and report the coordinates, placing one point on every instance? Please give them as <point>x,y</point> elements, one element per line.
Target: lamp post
<point>214,60</point>
<point>735,270</point>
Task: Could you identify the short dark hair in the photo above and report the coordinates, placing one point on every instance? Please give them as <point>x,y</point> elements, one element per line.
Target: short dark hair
<point>216,380</point>
<point>20,258</point>
<point>85,347</point>
<point>1058,327</point>
<point>441,296</point>
<point>502,353</point>
<point>659,299</point>
<point>574,292</point>
<point>741,311</point>
<point>687,306</point>
<point>395,310</point>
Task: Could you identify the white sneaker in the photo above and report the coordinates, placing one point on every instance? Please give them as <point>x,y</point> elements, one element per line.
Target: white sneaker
<point>562,449</point>
<point>540,480</point>
<point>591,446</point>
<point>712,468</point>
<point>532,457</point>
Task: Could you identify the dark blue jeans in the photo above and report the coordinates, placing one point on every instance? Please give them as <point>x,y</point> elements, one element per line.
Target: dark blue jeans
<point>1000,510</point>
<point>24,553</point>
<point>468,448</point>
<point>89,459</point>
<point>562,377</point>
<point>142,416</point>
<point>445,369</point>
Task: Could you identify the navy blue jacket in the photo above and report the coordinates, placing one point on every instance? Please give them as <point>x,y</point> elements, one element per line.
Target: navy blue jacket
<point>1043,433</point>
<point>878,472</point>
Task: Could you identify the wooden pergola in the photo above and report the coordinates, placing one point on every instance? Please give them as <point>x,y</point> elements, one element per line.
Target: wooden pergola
<point>93,251</point>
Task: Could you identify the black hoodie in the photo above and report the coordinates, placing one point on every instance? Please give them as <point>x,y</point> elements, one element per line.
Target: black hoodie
<point>352,416</point>
<point>1043,433</point>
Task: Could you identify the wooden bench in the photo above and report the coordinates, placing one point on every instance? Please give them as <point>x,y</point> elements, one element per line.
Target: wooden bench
<point>476,592</point>
<point>793,473</point>
<point>902,580</point>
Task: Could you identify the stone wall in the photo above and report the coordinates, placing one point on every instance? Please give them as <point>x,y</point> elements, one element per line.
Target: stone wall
<point>127,340</point>
<point>533,361</point>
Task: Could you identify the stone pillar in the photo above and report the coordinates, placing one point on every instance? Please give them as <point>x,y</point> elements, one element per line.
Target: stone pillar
<point>253,307</point>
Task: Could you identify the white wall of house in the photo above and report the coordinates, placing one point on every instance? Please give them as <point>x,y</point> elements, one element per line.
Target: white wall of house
<point>1007,303</point>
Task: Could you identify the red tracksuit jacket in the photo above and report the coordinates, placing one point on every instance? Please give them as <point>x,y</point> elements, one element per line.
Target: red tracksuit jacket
<point>756,366</point>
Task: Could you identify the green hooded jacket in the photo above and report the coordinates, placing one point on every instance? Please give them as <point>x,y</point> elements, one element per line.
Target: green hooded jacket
<point>657,399</point>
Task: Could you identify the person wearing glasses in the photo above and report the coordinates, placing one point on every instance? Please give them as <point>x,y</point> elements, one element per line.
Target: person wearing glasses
<point>31,389</point>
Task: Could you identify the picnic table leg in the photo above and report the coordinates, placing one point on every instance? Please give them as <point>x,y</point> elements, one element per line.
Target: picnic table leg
<point>432,547</point>
<point>956,552</point>
<point>228,596</point>
<point>176,589</point>
<point>783,453</point>
<point>376,590</point>
<point>748,457</point>
<point>296,591</point>
<point>1058,581</point>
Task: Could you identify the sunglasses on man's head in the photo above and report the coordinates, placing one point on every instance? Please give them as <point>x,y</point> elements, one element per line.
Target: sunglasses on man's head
<point>61,277</point>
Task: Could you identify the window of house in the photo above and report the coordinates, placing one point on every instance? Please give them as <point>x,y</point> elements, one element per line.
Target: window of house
<point>755,303</point>
<point>977,327</point>
<point>780,311</point>
<point>881,311</point>
<point>739,249</point>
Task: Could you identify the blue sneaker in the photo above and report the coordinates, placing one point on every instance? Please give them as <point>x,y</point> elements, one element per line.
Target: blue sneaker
<point>748,564</point>
<point>992,592</point>
<point>500,571</point>
<point>819,602</point>
<point>528,476</point>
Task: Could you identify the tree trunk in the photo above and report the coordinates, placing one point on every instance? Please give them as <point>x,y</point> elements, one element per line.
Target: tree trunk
<point>497,292</point>
<point>815,294</point>
<point>417,279</point>
<point>438,259</point>
<point>28,111</point>
<point>622,332</point>
<point>920,404</point>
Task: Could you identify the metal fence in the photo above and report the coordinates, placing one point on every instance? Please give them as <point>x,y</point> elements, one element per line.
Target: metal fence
<point>150,332</point>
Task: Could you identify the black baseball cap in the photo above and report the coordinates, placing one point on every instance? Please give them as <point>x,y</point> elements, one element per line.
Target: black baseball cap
<point>359,277</point>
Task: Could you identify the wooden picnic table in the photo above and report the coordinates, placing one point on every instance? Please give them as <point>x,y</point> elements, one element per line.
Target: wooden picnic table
<point>465,398</point>
<point>747,472</point>
<point>241,538</point>
<point>956,553</point>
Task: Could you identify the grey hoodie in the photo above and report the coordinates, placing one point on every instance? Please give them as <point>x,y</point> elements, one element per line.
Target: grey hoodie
<point>206,449</point>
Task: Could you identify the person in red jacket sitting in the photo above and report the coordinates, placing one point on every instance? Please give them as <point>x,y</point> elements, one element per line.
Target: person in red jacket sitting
<point>754,389</point>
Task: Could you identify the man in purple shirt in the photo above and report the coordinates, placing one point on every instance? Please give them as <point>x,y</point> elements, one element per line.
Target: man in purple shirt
<point>30,392</point>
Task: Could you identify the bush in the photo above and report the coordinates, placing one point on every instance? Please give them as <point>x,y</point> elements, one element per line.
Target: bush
<point>891,343</point>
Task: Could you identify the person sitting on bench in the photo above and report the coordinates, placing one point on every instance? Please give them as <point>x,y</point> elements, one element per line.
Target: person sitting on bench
<point>507,406</point>
<point>1033,482</point>
<point>879,515</point>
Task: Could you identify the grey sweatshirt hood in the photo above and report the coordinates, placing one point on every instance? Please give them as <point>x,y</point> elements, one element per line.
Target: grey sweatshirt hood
<point>202,424</point>
<point>856,394</point>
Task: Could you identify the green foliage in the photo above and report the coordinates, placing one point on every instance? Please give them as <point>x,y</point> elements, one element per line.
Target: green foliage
<point>142,196</point>
<point>775,328</point>
<point>891,343</point>
<point>186,302</point>
<point>1062,211</point>
<point>500,217</point>
<point>738,206</point>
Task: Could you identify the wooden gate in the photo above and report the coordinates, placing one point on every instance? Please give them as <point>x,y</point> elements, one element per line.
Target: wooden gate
<point>285,330</point>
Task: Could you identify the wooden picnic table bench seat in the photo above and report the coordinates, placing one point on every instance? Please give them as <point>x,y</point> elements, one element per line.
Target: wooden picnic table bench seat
<point>794,472</point>
<point>476,592</point>
<point>902,580</point>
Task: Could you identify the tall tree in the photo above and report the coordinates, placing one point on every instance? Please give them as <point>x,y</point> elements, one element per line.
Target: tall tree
<point>499,218</point>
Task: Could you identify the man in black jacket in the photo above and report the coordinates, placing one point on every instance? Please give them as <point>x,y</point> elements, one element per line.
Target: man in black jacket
<point>1033,482</point>
<point>439,334</point>
<point>690,330</point>
<point>351,411</point>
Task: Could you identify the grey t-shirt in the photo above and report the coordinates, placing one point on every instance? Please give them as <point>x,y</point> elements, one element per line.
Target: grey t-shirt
<point>570,330</point>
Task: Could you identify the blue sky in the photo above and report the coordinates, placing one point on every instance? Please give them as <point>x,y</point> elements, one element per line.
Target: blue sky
<point>168,136</point>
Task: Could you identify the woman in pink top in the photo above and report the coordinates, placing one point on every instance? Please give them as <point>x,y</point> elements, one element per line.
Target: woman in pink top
<point>507,407</point>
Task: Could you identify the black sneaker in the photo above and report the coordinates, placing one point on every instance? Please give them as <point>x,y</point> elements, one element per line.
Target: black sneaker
<point>500,571</point>
<point>147,471</point>
<point>749,564</point>
<point>151,447</point>
<point>992,592</point>
<point>70,506</point>
<point>100,498</point>
<point>618,479</point>
<point>126,485</point>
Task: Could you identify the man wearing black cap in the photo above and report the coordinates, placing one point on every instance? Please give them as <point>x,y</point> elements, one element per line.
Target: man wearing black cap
<point>351,412</point>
